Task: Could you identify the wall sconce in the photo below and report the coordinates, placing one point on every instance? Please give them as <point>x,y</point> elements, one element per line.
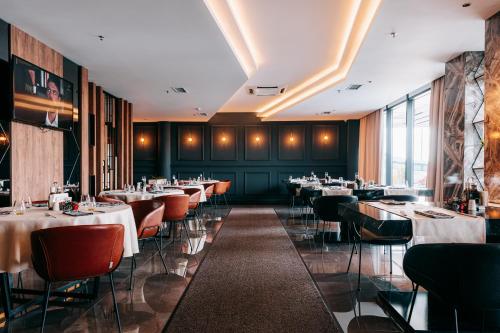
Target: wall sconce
<point>257,139</point>
<point>223,139</point>
<point>142,140</point>
<point>291,139</point>
<point>190,139</point>
<point>326,138</point>
<point>3,139</point>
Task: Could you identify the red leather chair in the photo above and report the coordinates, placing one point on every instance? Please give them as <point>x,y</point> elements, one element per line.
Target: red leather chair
<point>176,210</point>
<point>76,253</point>
<point>220,190</point>
<point>194,197</point>
<point>108,199</point>
<point>209,190</point>
<point>148,215</point>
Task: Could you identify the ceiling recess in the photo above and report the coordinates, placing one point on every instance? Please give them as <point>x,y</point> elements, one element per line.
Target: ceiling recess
<point>179,90</point>
<point>354,86</point>
<point>266,90</point>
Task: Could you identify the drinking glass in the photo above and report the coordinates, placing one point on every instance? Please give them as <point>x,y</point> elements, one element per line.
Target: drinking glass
<point>84,199</point>
<point>28,202</point>
<point>19,207</point>
<point>91,204</point>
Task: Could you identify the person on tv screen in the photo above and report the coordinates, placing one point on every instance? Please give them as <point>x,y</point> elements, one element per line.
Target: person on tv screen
<point>52,117</point>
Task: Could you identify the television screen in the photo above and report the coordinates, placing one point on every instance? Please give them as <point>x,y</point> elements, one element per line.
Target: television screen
<point>41,98</point>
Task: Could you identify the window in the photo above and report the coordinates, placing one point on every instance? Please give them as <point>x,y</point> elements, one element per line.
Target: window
<point>399,144</point>
<point>405,140</point>
<point>421,137</point>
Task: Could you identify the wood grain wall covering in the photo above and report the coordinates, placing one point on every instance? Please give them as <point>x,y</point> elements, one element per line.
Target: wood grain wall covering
<point>101,139</point>
<point>37,155</point>
<point>492,107</point>
<point>130,142</point>
<point>83,118</point>
<point>120,143</point>
<point>92,138</point>
<point>453,143</point>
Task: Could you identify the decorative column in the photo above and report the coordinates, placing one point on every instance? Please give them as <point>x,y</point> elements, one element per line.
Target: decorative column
<point>492,107</point>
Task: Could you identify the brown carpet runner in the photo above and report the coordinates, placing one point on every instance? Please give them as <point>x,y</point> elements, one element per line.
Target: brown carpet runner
<point>252,280</point>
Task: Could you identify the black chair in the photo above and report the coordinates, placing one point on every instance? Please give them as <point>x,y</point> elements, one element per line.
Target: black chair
<point>399,197</point>
<point>365,236</point>
<point>465,276</point>
<point>308,195</point>
<point>326,208</point>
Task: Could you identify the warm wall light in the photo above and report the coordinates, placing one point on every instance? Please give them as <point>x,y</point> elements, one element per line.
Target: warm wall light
<point>325,137</point>
<point>257,139</point>
<point>291,138</point>
<point>223,139</point>
<point>190,139</point>
<point>3,139</point>
<point>142,140</point>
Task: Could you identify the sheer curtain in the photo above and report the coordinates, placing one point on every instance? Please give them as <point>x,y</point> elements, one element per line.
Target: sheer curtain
<point>370,146</point>
<point>436,123</point>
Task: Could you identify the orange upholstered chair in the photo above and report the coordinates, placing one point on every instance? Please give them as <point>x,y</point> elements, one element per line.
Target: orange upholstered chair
<point>76,253</point>
<point>108,199</point>
<point>148,215</point>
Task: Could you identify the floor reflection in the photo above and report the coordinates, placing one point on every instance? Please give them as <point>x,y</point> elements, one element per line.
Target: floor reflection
<point>355,311</point>
<point>144,309</point>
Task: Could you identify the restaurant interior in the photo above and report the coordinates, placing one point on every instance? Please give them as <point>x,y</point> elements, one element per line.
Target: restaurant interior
<point>250,166</point>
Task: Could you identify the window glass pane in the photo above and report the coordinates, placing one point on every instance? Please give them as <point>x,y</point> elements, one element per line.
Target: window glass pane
<point>383,179</point>
<point>421,137</point>
<point>399,144</point>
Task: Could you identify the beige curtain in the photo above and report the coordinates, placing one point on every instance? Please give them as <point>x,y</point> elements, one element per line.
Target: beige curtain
<point>436,119</point>
<point>370,146</point>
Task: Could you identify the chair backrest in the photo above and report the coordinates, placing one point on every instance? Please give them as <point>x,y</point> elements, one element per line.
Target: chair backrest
<point>399,197</point>
<point>148,215</point>
<point>109,199</point>
<point>77,252</point>
<point>220,187</point>
<point>309,195</point>
<point>327,207</point>
<point>462,275</point>
<point>209,190</point>
<point>228,184</point>
<point>292,188</point>
<point>194,197</point>
<point>176,207</point>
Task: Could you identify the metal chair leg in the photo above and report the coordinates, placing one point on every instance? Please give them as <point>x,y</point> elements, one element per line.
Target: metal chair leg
<point>413,298</point>
<point>161,256</point>
<point>117,314</point>
<point>46,297</point>
<point>456,319</point>
<point>132,267</point>
<point>350,258</point>
<point>359,266</point>
<point>390,258</point>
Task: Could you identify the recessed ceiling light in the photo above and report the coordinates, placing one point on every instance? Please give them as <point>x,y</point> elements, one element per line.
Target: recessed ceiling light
<point>101,37</point>
<point>467,4</point>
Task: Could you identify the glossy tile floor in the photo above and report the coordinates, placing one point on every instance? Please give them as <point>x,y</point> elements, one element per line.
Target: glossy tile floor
<point>356,312</point>
<point>145,309</point>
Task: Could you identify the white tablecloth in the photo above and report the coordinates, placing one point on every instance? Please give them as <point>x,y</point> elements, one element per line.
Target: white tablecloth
<point>327,191</point>
<point>15,232</point>
<point>400,191</point>
<point>138,195</point>
<point>459,229</point>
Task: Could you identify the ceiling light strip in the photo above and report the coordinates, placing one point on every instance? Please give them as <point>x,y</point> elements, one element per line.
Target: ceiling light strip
<point>364,19</point>
<point>224,14</point>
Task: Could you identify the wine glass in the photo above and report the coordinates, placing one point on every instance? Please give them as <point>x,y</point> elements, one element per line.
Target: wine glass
<point>19,207</point>
<point>28,202</point>
<point>84,199</point>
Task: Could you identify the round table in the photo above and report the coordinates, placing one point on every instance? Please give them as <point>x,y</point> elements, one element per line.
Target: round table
<point>15,231</point>
<point>138,195</point>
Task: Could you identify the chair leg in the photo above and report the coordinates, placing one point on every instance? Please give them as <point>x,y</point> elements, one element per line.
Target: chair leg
<point>390,259</point>
<point>161,256</point>
<point>132,268</point>
<point>323,237</point>
<point>117,314</point>
<point>359,266</point>
<point>46,297</point>
<point>350,258</point>
<point>189,241</point>
<point>413,298</point>
<point>456,319</point>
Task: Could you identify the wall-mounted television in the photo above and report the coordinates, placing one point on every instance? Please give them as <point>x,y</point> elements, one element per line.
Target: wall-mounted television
<point>41,98</point>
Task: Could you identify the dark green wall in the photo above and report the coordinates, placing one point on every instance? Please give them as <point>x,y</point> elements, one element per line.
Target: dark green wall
<point>256,171</point>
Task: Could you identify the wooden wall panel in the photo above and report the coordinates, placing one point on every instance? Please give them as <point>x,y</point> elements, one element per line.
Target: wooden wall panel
<point>83,118</point>
<point>92,138</point>
<point>120,142</point>
<point>130,143</point>
<point>126,134</point>
<point>100,139</point>
<point>37,155</point>
<point>224,143</point>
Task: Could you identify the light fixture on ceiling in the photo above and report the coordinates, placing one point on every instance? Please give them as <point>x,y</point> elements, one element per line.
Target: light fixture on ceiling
<point>466,4</point>
<point>266,90</point>
<point>179,90</point>
<point>101,37</point>
<point>393,34</point>
<point>354,86</point>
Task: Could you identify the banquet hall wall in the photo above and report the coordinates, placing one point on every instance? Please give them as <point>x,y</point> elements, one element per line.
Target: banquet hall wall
<point>31,158</point>
<point>256,169</point>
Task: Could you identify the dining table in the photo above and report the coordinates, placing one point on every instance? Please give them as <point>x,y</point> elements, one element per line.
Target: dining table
<point>130,196</point>
<point>15,237</point>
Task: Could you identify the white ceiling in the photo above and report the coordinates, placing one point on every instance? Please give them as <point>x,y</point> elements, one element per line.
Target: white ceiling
<point>154,45</point>
<point>149,46</point>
